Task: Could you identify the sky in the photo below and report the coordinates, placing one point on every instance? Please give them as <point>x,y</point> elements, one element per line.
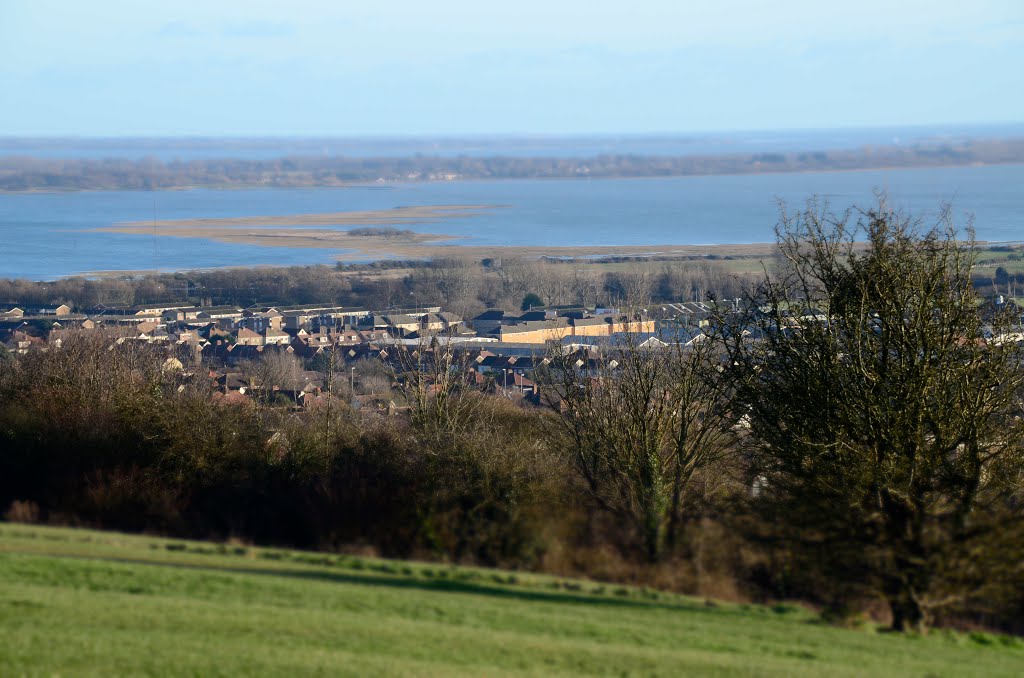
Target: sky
<point>524,67</point>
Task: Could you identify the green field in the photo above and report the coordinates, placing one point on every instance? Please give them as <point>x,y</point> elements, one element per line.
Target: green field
<point>76,602</point>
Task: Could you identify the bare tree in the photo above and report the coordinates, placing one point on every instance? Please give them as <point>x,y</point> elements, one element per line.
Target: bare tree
<point>456,280</point>
<point>371,377</point>
<point>272,372</point>
<point>515,276</point>
<point>640,424</point>
<point>551,281</point>
<point>435,382</point>
<point>586,287</point>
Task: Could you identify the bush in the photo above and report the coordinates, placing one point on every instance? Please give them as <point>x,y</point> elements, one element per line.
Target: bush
<point>22,512</point>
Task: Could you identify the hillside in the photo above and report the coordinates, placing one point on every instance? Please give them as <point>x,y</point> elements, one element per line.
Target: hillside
<point>78,602</point>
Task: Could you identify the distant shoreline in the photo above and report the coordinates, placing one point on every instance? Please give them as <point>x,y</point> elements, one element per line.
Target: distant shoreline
<point>384,185</point>
<point>55,175</point>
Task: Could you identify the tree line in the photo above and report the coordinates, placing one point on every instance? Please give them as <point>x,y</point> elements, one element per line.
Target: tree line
<point>459,284</point>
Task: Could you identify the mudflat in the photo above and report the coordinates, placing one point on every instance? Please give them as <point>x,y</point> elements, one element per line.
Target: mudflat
<point>355,245</point>
<point>398,215</point>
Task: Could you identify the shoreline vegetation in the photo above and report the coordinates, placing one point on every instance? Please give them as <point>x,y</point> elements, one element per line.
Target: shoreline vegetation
<point>400,259</point>
<point>34,174</point>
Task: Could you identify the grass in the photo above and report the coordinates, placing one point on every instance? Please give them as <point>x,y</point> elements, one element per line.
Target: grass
<point>990,258</point>
<point>76,602</point>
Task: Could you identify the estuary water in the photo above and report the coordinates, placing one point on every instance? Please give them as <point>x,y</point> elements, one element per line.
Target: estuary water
<point>49,235</point>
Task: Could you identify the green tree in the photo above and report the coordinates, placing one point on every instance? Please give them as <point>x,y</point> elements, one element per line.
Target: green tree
<point>531,300</point>
<point>882,395</point>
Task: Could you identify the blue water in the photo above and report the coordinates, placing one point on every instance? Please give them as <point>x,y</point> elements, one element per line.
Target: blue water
<point>44,236</point>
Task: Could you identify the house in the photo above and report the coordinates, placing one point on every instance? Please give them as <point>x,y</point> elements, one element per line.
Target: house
<point>401,322</point>
<point>295,320</point>
<point>312,317</point>
<point>347,336</point>
<point>147,328</point>
<point>219,313</point>
<point>430,322</point>
<point>590,327</point>
<point>233,354</point>
<point>21,342</point>
<point>258,322</point>
<point>486,363</point>
<point>10,311</point>
<point>157,309</point>
<point>366,336</point>
<point>450,321</point>
<point>351,316</point>
<point>130,320</point>
<point>232,381</point>
<point>305,350</point>
<point>45,310</point>
<point>176,314</point>
<point>79,322</point>
<point>304,393</point>
<point>689,312</point>
<point>514,381</point>
<point>247,337</point>
<point>535,331</point>
<point>490,320</point>
<point>271,336</point>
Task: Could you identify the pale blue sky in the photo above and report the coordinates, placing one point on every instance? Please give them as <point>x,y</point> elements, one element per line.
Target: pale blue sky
<point>450,67</point>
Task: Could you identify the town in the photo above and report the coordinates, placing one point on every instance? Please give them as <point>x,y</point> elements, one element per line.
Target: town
<point>500,348</point>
